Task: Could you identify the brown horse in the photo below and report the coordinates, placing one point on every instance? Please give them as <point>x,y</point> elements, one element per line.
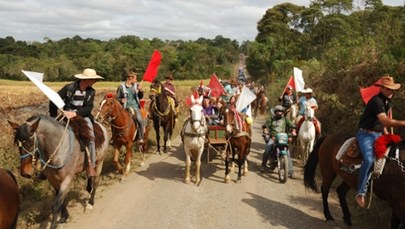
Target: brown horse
<point>57,147</point>
<point>259,105</point>
<point>9,199</point>
<point>123,129</point>
<point>163,115</point>
<point>239,139</point>
<point>389,186</point>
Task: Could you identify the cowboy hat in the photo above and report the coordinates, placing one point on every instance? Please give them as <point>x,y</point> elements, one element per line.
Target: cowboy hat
<point>307,91</point>
<point>169,77</point>
<point>88,74</point>
<point>388,82</point>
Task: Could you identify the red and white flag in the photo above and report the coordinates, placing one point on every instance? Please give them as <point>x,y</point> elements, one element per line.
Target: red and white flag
<point>298,80</point>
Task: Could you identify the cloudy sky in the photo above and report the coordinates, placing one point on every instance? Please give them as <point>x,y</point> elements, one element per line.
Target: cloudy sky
<point>33,20</point>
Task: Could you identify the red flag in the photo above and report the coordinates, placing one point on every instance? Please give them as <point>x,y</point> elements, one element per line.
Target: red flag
<point>151,71</point>
<point>216,87</point>
<point>368,92</point>
<point>188,99</point>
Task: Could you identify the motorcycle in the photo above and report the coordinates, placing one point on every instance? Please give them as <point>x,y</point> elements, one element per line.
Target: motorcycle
<point>279,155</point>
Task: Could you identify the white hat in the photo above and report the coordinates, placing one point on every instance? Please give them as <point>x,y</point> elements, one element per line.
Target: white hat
<point>307,91</point>
<point>88,74</point>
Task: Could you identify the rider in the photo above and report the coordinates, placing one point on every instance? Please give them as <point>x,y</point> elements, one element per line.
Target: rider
<point>287,99</point>
<point>307,100</point>
<point>129,94</point>
<point>79,97</point>
<point>274,125</point>
<point>373,123</point>
<point>169,87</point>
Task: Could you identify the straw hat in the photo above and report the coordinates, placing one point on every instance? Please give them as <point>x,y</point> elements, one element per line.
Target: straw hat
<point>307,91</point>
<point>88,74</point>
<point>169,77</point>
<point>388,82</point>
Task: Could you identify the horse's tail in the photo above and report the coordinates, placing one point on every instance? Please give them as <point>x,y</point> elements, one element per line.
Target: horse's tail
<point>310,166</point>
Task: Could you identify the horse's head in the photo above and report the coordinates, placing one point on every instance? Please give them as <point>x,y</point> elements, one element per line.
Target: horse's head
<point>196,113</point>
<point>309,113</point>
<point>229,119</point>
<point>106,112</point>
<point>156,88</point>
<point>26,140</point>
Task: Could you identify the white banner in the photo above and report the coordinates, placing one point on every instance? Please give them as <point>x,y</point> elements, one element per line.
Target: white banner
<point>37,78</point>
<point>298,80</point>
<point>246,97</point>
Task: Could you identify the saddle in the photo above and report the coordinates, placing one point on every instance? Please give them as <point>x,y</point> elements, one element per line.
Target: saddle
<point>349,156</point>
<point>316,124</point>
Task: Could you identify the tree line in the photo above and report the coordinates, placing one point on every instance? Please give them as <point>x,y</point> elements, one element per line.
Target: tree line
<point>338,45</point>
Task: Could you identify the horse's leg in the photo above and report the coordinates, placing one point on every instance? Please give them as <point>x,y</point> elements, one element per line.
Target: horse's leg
<point>198,166</point>
<point>245,165</point>
<point>342,191</point>
<point>141,148</point>
<point>116,162</point>
<point>326,183</point>
<point>156,126</point>
<point>58,204</point>
<point>227,178</point>
<point>395,222</point>
<point>188,164</point>
<point>127,160</point>
<point>165,138</point>
<point>99,168</point>
<point>241,161</point>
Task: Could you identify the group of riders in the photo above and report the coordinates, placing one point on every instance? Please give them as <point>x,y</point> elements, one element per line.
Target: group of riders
<point>79,101</point>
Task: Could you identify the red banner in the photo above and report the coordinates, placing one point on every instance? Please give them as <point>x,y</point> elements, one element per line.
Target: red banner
<point>216,87</point>
<point>368,92</point>
<point>188,99</point>
<point>152,70</point>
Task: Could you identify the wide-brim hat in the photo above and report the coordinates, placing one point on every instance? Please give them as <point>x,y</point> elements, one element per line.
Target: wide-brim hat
<point>307,91</point>
<point>88,74</point>
<point>388,82</point>
<point>169,77</point>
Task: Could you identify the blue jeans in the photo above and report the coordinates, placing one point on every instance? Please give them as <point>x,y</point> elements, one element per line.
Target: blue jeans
<point>268,150</point>
<point>366,143</point>
<point>92,145</point>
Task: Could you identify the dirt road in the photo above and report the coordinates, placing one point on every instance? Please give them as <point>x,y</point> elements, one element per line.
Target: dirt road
<point>155,196</point>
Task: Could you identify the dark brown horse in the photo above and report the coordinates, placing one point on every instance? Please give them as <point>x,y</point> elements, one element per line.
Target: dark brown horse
<point>162,115</point>
<point>389,186</point>
<point>239,140</point>
<point>56,146</point>
<point>259,105</point>
<point>123,129</point>
<point>9,199</point>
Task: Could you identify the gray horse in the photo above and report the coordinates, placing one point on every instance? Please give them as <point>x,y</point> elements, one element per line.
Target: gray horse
<point>42,138</point>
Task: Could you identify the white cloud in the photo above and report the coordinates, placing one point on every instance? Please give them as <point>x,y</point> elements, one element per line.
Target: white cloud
<point>104,19</point>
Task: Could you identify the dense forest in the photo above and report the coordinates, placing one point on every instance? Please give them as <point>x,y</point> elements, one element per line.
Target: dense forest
<point>338,46</point>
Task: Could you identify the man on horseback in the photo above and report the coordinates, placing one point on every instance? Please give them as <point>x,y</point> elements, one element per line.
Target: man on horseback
<point>129,94</point>
<point>373,123</point>
<point>304,101</point>
<point>277,123</point>
<point>79,97</point>
<point>287,99</point>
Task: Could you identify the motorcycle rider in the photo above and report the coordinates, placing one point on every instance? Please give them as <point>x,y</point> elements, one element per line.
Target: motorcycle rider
<point>277,123</point>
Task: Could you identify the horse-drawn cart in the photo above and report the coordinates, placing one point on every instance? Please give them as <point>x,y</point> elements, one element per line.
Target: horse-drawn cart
<point>216,141</point>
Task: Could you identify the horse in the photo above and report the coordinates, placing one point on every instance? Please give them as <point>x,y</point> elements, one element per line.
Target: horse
<point>193,135</point>
<point>238,134</point>
<point>307,133</point>
<point>9,199</point>
<point>260,103</point>
<point>123,130</point>
<point>58,149</point>
<point>162,112</point>
<point>291,113</point>
<point>389,186</point>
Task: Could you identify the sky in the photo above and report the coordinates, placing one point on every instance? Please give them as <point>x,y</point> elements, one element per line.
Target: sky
<point>34,20</point>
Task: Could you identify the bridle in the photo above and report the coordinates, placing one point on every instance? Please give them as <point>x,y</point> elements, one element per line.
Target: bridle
<point>109,117</point>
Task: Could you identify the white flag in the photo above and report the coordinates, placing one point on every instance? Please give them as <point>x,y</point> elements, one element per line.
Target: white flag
<point>36,78</point>
<point>298,79</point>
<point>246,97</point>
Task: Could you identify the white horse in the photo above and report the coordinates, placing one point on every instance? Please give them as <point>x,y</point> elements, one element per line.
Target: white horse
<point>193,136</point>
<point>306,134</point>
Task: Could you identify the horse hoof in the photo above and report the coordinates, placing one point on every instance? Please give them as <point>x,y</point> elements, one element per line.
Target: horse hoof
<point>227,179</point>
<point>245,173</point>
<point>89,206</point>
<point>142,164</point>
